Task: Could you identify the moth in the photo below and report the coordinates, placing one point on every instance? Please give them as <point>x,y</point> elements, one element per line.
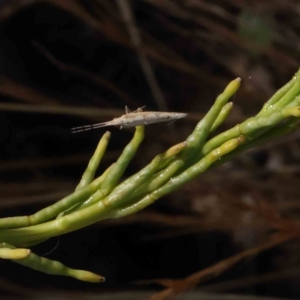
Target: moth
<point>134,118</point>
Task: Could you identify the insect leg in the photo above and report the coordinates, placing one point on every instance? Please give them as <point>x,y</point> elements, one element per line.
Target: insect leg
<point>127,110</point>
<point>140,109</point>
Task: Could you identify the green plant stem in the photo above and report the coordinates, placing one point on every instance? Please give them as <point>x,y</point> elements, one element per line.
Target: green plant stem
<point>54,210</point>
<point>120,166</point>
<point>274,133</point>
<point>250,126</point>
<point>279,94</point>
<point>16,253</point>
<point>149,169</point>
<point>105,197</point>
<point>84,200</point>
<point>53,267</point>
<point>185,177</point>
<point>215,116</point>
<point>89,174</point>
<point>202,130</point>
<point>226,109</point>
<point>140,176</point>
<point>104,209</point>
<point>82,194</point>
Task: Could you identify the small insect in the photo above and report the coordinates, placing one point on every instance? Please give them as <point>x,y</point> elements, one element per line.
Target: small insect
<point>134,118</point>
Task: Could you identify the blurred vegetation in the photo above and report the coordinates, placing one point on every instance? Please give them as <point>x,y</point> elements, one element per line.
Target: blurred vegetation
<point>67,63</point>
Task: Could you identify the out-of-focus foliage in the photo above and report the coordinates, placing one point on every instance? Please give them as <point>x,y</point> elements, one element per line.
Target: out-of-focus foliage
<point>257,30</point>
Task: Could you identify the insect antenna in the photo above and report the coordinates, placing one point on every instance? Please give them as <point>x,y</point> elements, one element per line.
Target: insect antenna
<point>88,127</point>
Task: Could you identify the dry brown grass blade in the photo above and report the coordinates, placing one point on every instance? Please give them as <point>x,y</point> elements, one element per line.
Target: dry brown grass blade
<point>215,29</point>
<point>7,10</point>
<point>89,112</point>
<point>15,165</point>
<point>270,214</point>
<point>158,219</point>
<point>106,27</point>
<point>86,74</point>
<point>51,161</point>
<point>176,287</point>
<point>46,104</point>
<point>287,230</point>
<point>15,289</point>
<point>135,37</point>
<point>165,56</point>
<point>236,284</point>
<point>83,111</point>
<point>41,199</point>
<point>23,93</point>
<point>266,217</point>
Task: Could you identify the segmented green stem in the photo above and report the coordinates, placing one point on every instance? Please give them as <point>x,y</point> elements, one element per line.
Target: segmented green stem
<point>117,170</point>
<point>195,141</point>
<point>54,210</point>
<point>274,133</point>
<point>104,209</point>
<point>87,202</point>
<point>279,94</point>
<point>120,166</point>
<point>288,97</point>
<point>149,170</point>
<point>178,181</point>
<point>103,198</point>
<point>53,267</point>
<point>89,174</point>
<point>251,125</point>
<point>84,190</point>
<point>226,109</point>
<point>16,253</point>
<point>199,135</point>
<point>91,214</point>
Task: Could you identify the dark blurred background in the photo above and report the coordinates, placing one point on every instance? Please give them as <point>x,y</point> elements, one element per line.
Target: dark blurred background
<point>68,63</point>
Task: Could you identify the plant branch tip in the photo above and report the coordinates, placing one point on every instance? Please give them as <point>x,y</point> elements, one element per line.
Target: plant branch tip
<point>95,279</point>
<point>14,254</point>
